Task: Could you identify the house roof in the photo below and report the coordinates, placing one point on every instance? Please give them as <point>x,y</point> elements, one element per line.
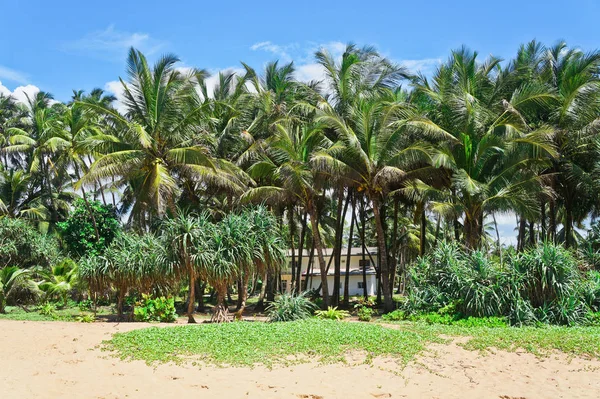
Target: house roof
<point>329,251</point>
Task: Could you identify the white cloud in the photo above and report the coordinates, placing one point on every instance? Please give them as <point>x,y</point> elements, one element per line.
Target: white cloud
<point>115,87</point>
<point>113,43</point>
<point>11,74</point>
<point>20,93</point>
<point>426,66</point>
<point>282,51</point>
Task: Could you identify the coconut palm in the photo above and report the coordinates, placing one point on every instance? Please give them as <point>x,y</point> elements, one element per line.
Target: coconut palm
<point>286,167</point>
<point>493,154</point>
<point>155,146</point>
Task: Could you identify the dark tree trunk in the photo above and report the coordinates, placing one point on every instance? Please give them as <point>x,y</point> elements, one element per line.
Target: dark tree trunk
<point>473,229</point>
<point>543,221</point>
<point>220,311</point>
<point>337,266</point>
<point>388,304</point>
<point>260,305</point>
<point>300,254</point>
<point>423,230</point>
<point>191,296</point>
<point>552,221</point>
<point>531,233</point>
<point>292,234</point>
<point>349,253</point>
<point>569,242</point>
<point>521,236</point>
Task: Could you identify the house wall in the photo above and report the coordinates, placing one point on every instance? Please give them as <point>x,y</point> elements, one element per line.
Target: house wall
<point>353,284</point>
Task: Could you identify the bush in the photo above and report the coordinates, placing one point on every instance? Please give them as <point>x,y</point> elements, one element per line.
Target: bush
<point>47,309</point>
<point>86,318</point>
<point>159,309</point>
<point>78,230</point>
<point>332,313</point>
<point>24,246</point>
<point>290,307</point>
<point>540,285</point>
<point>396,315</point>
<point>364,313</point>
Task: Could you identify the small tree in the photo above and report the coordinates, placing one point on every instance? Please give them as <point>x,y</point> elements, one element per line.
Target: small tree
<point>82,236</point>
<point>10,278</point>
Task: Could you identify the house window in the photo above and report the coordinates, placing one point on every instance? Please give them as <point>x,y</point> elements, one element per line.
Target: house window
<point>361,285</point>
<point>364,263</point>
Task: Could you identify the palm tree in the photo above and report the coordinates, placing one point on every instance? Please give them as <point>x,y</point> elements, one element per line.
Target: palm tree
<point>186,238</point>
<point>285,165</point>
<point>493,153</point>
<point>156,143</point>
<point>371,154</point>
<point>10,278</point>
<point>61,280</point>
<point>37,144</point>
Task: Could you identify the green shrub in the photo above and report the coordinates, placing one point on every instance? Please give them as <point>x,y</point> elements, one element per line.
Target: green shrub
<point>47,309</point>
<point>541,285</point>
<point>159,309</point>
<point>86,318</point>
<point>364,313</point>
<point>332,313</point>
<point>86,304</point>
<point>78,231</point>
<point>396,315</point>
<point>290,307</point>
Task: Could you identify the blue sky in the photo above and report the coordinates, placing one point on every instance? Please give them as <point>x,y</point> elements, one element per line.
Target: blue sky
<point>64,45</point>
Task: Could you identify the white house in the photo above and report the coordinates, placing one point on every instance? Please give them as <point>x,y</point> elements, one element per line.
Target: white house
<point>359,270</point>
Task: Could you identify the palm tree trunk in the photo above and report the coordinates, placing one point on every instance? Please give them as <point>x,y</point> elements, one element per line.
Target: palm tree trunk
<point>569,242</point>
<point>191,296</point>
<point>473,228</point>
<point>300,254</point>
<point>292,234</point>
<point>260,305</point>
<point>220,311</point>
<point>521,236</point>
<point>200,288</point>
<point>341,215</point>
<point>243,293</point>
<point>394,249</point>
<point>388,304</point>
<point>349,253</point>
<point>423,230</point>
<point>552,221</point>
<point>319,247</point>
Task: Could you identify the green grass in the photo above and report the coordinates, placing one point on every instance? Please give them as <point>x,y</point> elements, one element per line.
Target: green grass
<point>541,341</point>
<point>66,314</point>
<point>246,343</point>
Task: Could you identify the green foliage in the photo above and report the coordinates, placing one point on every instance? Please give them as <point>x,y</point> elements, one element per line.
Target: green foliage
<point>79,233</point>
<point>541,285</point>
<point>364,313</point>
<point>24,246</point>
<point>332,313</point>
<point>86,318</point>
<point>61,280</point>
<point>247,344</point>
<point>47,309</point>
<point>159,309</point>
<point>289,307</point>
<point>86,304</point>
<point>15,282</point>
<point>396,315</point>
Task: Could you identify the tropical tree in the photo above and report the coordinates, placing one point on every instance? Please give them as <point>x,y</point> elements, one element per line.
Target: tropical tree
<point>492,154</point>
<point>10,278</point>
<point>155,145</point>
<point>186,238</point>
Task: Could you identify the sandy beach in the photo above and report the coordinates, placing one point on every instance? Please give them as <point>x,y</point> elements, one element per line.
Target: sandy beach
<point>62,360</point>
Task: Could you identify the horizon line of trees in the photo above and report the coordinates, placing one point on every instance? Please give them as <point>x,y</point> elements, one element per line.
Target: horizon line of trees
<point>408,160</point>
